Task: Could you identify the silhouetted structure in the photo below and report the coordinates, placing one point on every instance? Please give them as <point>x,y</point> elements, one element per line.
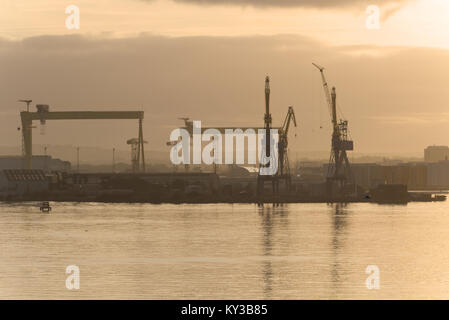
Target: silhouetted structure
<point>135,153</point>
<point>339,170</point>
<point>261,178</point>
<point>44,114</point>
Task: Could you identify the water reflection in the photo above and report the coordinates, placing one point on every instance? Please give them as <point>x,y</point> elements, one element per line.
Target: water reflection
<point>339,214</point>
<point>268,215</point>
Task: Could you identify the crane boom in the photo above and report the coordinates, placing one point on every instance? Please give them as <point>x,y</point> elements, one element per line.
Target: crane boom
<point>290,116</point>
<point>326,88</point>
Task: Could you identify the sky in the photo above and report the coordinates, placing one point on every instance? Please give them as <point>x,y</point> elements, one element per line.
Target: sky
<point>207,60</point>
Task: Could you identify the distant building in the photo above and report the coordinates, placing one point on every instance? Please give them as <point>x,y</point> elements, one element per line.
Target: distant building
<point>438,174</point>
<point>416,175</point>
<point>367,175</point>
<point>370,175</point>
<point>17,182</point>
<point>436,153</point>
<point>40,162</point>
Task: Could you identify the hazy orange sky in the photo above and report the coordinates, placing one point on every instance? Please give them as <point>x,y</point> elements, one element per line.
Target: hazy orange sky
<point>404,22</point>
<point>207,60</point>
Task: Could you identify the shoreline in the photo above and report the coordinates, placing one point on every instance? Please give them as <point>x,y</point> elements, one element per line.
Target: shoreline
<point>202,200</point>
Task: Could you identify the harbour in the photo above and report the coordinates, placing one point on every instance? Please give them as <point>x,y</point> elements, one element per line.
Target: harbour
<point>268,179</point>
<point>223,158</point>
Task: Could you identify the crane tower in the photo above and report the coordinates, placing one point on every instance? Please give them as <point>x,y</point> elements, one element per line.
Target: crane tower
<point>135,153</point>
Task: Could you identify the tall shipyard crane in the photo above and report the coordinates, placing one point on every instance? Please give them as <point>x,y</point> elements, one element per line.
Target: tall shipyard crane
<point>339,170</point>
<point>262,179</point>
<point>284,167</point>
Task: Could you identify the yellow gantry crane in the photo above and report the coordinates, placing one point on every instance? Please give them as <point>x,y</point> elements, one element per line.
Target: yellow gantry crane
<point>188,125</point>
<point>42,114</point>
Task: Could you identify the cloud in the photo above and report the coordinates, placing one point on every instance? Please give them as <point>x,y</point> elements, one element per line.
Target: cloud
<point>417,118</point>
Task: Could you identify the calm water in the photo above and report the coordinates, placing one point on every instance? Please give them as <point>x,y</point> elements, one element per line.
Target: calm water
<point>224,251</point>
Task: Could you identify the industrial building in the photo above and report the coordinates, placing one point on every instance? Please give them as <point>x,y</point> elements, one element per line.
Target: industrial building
<point>41,162</point>
<point>184,182</point>
<point>370,175</point>
<point>419,175</point>
<point>19,182</point>
<point>438,174</point>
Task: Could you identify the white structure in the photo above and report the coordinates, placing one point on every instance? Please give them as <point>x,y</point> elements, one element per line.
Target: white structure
<point>436,153</point>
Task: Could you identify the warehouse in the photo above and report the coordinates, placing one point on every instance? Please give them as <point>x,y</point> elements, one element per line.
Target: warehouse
<point>17,182</point>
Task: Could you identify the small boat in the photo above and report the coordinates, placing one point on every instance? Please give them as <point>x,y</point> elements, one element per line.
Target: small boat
<point>45,206</point>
